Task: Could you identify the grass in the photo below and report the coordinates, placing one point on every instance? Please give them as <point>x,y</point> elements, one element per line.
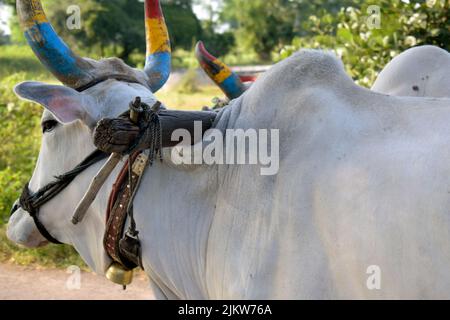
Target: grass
<point>15,59</point>
<point>18,63</point>
<point>51,256</point>
<point>174,99</point>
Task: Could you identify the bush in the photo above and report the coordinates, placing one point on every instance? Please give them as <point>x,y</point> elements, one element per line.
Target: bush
<point>10,185</point>
<point>188,83</point>
<point>366,51</point>
<point>19,142</point>
<point>17,58</point>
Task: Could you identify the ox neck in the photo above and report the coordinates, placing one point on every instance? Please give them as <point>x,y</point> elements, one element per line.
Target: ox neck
<point>174,211</point>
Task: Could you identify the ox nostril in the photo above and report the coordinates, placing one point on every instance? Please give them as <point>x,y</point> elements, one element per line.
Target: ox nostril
<point>14,208</point>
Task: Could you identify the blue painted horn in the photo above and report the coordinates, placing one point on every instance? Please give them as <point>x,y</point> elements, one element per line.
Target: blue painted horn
<point>227,80</point>
<point>65,65</point>
<point>77,72</point>
<point>158,62</point>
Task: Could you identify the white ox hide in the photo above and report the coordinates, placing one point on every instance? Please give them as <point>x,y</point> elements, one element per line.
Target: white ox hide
<point>364,181</point>
<point>421,71</point>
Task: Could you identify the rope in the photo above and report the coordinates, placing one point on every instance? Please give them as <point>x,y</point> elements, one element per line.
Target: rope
<point>151,136</point>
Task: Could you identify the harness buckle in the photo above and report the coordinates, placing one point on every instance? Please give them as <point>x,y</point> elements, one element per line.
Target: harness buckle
<point>140,164</point>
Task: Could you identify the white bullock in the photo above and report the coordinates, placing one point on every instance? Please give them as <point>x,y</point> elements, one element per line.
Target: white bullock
<point>421,71</point>
<point>364,185</point>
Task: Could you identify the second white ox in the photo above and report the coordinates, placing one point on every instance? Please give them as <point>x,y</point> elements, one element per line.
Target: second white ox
<point>364,184</point>
<point>421,72</point>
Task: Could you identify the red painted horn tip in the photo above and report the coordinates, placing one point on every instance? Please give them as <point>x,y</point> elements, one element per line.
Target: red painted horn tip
<point>199,45</point>
<point>201,52</point>
<point>153,9</point>
<point>200,48</point>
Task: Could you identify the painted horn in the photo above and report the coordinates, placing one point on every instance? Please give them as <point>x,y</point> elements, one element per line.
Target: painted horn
<point>158,62</point>
<point>51,50</point>
<point>228,81</point>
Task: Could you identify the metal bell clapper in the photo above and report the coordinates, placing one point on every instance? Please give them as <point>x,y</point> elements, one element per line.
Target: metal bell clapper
<point>118,274</point>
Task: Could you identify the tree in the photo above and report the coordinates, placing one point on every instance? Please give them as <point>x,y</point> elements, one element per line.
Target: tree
<point>117,27</point>
<point>219,42</point>
<point>184,27</point>
<point>263,25</point>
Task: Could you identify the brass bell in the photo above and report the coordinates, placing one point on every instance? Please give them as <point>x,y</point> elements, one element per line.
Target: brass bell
<point>119,274</point>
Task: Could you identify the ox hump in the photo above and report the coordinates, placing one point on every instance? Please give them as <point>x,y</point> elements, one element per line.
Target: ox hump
<point>309,68</point>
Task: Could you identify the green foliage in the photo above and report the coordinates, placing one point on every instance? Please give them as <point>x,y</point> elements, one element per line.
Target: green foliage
<point>184,27</point>
<point>18,58</point>
<point>239,56</point>
<point>219,44</point>
<point>9,2</point>
<point>184,59</point>
<point>261,25</point>
<point>366,51</point>
<point>17,36</point>
<point>19,142</point>
<point>188,83</point>
<point>189,101</point>
<point>3,38</point>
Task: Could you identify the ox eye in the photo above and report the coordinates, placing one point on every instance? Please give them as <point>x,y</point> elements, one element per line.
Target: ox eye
<point>49,125</point>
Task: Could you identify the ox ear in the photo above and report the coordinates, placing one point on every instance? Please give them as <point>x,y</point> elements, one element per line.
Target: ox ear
<point>66,104</point>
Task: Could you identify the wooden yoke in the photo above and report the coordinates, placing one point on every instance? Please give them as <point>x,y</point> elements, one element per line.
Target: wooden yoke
<point>169,121</point>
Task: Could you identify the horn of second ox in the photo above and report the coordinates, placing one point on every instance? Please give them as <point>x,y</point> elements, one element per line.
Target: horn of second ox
<point>227,80</point>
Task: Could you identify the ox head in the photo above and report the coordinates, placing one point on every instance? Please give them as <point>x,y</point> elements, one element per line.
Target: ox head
<point>92,90</point>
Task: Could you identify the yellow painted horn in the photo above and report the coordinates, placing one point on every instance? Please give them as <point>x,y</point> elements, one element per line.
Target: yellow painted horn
<point>158,62</point>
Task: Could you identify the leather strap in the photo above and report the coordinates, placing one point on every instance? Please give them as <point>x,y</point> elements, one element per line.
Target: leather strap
<point>32,202</point>
<point>96,81</point>
<point>117,212</point>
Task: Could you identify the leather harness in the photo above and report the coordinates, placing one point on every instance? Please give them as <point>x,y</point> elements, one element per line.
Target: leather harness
<point>32,202</point>
<point>125,248</point>
<point>122,248</point>
<point>117,212</point>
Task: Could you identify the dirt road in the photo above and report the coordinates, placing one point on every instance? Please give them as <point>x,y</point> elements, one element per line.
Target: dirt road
<point>22,283</point>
